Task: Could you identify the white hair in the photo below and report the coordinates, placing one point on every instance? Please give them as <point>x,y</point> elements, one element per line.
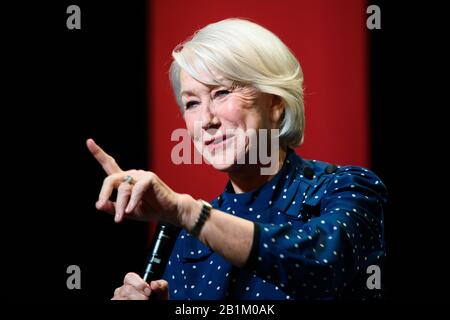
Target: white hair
<point>245,53</point>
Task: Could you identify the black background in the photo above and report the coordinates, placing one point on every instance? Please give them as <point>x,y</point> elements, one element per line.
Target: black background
<point>63,86</point>
<point>67,86</point>
<point>409,138</point>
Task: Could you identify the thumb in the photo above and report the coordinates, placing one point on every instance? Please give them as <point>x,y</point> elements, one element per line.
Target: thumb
<point>160,288</point>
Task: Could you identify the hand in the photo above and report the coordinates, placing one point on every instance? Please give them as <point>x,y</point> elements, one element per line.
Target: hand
<point>135,288</point>
<point>146,197</point>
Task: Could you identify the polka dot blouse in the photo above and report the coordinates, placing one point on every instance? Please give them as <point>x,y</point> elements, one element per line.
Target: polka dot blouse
<point>317,229</point>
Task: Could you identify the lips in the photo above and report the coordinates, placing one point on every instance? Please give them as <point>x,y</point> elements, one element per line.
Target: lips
<point>217,141</point>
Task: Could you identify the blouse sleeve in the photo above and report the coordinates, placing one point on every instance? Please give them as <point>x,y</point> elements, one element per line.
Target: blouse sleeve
<point>321,256</point>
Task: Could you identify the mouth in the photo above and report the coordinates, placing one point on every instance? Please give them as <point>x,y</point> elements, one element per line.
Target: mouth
<point>217,141</point>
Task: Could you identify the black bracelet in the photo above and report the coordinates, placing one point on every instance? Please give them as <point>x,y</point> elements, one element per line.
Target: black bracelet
<point>204,215</point>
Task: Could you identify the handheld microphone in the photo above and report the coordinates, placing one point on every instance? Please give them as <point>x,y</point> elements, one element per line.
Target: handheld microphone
<point>162,246</point>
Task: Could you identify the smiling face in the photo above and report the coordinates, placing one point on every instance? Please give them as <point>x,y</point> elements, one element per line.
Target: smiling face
<point>220,118</point>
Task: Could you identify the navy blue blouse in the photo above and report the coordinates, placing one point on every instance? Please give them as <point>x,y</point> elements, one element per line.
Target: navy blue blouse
<point>317,229</point>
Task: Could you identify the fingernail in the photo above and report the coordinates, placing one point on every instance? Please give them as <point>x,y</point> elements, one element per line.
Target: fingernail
<point>117,218</point>
<point>147,291</point>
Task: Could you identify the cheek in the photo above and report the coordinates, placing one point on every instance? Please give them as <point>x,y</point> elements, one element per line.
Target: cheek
<point>190,121</point>
<point>237,111</point>
<point>231,115</point>
<point>245,118</point>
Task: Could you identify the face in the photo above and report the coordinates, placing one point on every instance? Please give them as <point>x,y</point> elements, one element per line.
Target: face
<point>220,118</point>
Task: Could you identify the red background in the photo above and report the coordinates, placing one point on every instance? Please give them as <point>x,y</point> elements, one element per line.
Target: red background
<point>328,38</point>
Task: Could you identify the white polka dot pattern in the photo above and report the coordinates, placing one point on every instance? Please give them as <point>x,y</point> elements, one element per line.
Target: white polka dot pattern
<point>314,232</point>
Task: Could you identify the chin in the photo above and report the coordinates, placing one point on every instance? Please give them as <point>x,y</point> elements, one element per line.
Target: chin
<point>225,157</point>
<point>217,160</point>
<point>220,162</point>
<point>223,167</point>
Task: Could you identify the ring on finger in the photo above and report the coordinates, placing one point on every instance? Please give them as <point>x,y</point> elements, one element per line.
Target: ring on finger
<point>129,180</point>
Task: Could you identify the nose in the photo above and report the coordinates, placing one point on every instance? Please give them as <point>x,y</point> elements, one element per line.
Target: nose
<point>209,117</point>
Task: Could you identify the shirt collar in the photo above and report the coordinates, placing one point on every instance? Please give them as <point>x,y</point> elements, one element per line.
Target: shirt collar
<point>264,196</point>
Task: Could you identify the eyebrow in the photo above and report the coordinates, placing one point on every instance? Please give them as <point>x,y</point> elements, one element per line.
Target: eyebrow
<point>192,93</point>
<point>187,92</point>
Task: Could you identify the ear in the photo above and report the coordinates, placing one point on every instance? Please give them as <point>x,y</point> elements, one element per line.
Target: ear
<point>276,109</point>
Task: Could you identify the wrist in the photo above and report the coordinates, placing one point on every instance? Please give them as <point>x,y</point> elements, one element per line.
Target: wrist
<point>201,219</point>
<point>188,211</point>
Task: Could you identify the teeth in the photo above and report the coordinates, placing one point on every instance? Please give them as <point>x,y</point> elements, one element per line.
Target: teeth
<point>218,140</point>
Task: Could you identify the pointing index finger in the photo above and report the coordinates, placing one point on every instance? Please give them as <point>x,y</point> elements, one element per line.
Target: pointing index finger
<point>107,162</point>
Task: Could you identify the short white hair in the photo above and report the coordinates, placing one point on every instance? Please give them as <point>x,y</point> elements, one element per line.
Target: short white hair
<point>245,53</point>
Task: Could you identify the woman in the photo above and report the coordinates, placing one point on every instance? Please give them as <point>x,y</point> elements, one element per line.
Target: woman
<point>305,230</point>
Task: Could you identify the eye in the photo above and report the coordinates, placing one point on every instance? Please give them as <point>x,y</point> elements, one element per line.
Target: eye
<point>190,104</point>
<point>221,93</point>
